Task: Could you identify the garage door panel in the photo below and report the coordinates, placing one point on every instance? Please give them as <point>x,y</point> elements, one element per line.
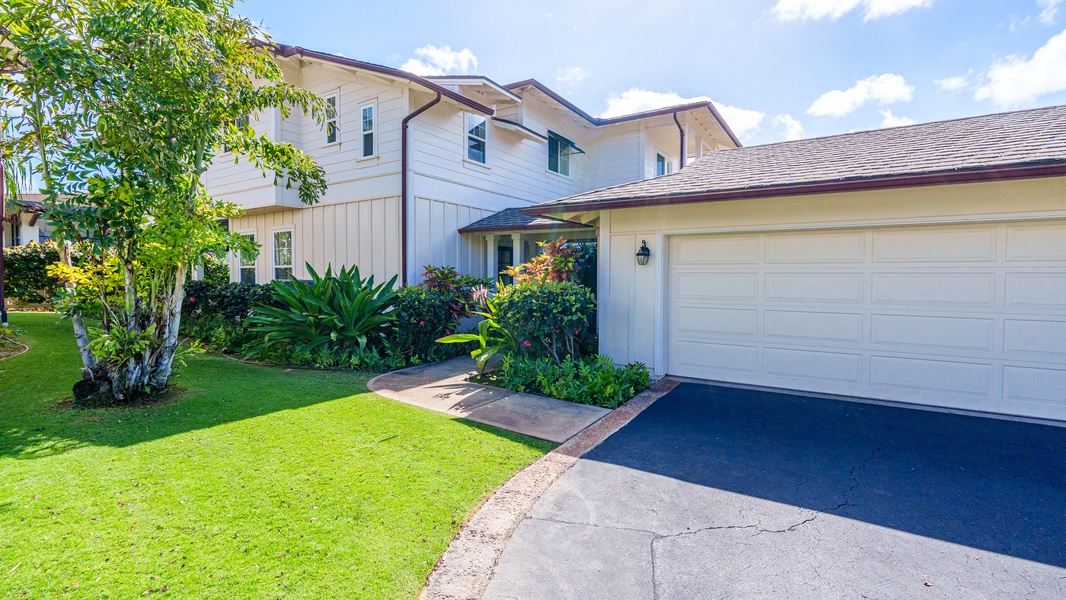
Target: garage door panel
<point>931,332</point>
<point>814,287</point>
<point>717,251</point>
<point>969,379</point>
<point>958,316</point>
<point>949,290</point>
<point>695,321</point>
<point>716,286</point>
<point>703,355</point>
<point>1036,290</point>
<point>810,364</point>
<point>1040,243</point>
<point>845,248</point>
<point>934,245</point>
<point>820,326</point>
<point>1037,337</point>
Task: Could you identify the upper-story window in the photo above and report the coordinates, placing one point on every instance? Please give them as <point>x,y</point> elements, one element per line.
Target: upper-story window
<point>241,123</point>
<point>283,254</point>
<point>246,264</point>
<point>663,166</point>
<point>476,137</point>
<point>559,154</point>
<point>369,129</point>
<point>332,119</point>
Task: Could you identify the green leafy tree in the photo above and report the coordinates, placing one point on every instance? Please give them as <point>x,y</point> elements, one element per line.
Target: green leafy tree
<point>123,105</point>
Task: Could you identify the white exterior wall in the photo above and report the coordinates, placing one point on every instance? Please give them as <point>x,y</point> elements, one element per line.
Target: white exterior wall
<point>614,157</point>
<point>633,317</point>
<point>661,141</point>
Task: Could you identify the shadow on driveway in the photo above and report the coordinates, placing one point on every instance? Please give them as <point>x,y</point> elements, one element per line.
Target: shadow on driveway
<point>990,484</point>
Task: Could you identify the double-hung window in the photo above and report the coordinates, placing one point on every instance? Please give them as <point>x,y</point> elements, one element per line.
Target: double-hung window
<point>663,166</point>
<point>559,154</point>
<point>368,130</point>
<point>283,254</point>
<point>476,137</point>
<point>332,122</point>
<point>246,264</point>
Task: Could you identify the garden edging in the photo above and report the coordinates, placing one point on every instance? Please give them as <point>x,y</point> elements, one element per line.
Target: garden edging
<point>465,569</point>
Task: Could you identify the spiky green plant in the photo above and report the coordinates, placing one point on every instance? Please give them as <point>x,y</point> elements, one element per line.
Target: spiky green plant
<point>342,309</point>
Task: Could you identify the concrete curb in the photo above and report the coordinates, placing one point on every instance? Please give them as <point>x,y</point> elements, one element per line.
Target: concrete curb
<point>464,571</point>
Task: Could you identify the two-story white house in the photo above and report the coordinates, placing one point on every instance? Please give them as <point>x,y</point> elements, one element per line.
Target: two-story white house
<point>423,170</point>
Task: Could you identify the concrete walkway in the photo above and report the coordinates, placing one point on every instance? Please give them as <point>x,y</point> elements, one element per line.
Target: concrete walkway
<point>443,387</point>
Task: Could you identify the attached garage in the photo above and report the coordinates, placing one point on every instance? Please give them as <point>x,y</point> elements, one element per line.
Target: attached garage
<point>969,317</point>
<point>922,264</point>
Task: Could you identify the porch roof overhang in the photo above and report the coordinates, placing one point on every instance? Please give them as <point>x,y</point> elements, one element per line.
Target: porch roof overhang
<point>513,220</point>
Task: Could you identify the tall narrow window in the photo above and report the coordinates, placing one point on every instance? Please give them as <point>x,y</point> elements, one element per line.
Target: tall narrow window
<point>241,123</point>
<point>282,255</point>
<point>246,264</point>
<point>559,154</point>
<point>476,137</point>
<point>663,166</point>
<point>368,130</point>
<point>332,126</point>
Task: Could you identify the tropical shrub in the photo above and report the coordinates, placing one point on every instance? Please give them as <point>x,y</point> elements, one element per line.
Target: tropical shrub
<point>592,380</point>
<point>491,338</point>
<point>216,269</point>
<point>549,319</point>
<point>217,314</point>
<point>459,288</point>
<point>558,261</point>
<point>26,277</point>
<point>422,316</point>
<point>338,311</point>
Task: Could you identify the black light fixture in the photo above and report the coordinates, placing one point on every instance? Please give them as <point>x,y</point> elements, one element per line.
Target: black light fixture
<point>643,254</point>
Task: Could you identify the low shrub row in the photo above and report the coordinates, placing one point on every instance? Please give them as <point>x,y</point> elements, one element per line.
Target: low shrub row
<point>591,380</point>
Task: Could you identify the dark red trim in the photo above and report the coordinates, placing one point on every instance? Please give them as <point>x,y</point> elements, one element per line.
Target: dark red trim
<point>287,51</point>
<point>502,229</point>
<point>684,149</point>
<point>982,175</point>
<point>641,115</point>
<point>3,205</point>
<point>403,184</point>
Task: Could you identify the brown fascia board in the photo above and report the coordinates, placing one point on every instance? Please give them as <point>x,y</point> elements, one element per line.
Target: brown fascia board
<point>622,119</point>
<point>982,175</point>
<point>288,51</point>
<point>571,226</point>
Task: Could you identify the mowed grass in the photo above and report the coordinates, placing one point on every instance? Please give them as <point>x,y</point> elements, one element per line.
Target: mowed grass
<point>246,482</point>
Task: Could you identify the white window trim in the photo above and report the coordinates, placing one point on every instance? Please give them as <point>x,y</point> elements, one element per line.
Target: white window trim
<point>669,162</point>
<point>373,104</point>
<point>467,136</point>
<point>273,267</point>
<point>236,274</point>
<point>548,158</point>
<point>336,95</point>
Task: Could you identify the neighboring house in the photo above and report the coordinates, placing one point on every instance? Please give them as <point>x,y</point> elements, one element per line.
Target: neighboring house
<point>923,264</point>
<point>22,223</point>
<point>419,169</point>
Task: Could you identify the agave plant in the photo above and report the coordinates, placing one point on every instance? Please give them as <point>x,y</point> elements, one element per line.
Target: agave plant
<point>343,309</point>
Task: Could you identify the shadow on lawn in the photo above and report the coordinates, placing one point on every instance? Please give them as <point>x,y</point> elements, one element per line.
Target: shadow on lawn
<point>985,483</point>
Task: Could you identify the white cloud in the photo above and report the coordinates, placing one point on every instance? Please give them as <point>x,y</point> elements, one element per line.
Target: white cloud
<point>953,84</point>
<point>891,120</point>
<point>572,76</point>
<point>802,10</point>
<point>1050,11</point>
<point>434,60</point>
<point>742,121</point>
<point>1017,80</point>
<point>884,89</point>
<point>793,129</point>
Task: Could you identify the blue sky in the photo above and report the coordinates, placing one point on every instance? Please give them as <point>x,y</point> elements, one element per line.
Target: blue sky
<point>777,69</point>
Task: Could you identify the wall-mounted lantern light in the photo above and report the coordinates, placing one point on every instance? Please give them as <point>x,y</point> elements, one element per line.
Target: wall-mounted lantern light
<point>643,254</point>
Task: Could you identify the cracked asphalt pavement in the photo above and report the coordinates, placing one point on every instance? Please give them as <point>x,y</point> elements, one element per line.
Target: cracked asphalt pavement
<point>716,492</point>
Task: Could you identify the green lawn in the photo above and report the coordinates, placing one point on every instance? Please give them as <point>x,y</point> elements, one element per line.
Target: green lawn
<point>249,483</point>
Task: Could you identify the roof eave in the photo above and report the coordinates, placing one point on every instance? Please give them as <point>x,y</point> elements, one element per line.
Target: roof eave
<point>982,175</point>
<point>528,228</point>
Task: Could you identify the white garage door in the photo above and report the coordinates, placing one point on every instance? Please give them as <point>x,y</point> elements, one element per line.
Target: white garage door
<point>959,316</point>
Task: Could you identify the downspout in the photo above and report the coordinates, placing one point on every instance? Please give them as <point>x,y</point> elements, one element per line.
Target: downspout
<point>684,148</point>
<point>403,184</point>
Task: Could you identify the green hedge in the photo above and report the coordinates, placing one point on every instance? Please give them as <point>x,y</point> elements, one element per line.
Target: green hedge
<point>594,380</point>
<point>26,277</point>
<point>555,319</point>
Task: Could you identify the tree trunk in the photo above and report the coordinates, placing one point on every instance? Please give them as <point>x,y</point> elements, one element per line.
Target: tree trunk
<point>81,334</point>
<point>165,362</point>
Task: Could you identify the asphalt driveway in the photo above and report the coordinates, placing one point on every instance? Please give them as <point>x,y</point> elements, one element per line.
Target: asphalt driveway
<point>717,492</point>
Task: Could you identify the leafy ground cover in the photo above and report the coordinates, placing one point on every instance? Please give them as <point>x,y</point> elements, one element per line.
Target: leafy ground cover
<point>245,482</point>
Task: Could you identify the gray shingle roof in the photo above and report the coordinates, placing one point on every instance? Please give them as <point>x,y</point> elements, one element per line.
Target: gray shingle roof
<point>513,219</point>
<point>1026,138</point>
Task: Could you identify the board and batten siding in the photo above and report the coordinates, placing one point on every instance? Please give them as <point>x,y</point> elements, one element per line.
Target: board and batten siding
<point>364,234</point>
<point>614,157</point>
<point>436,241</point>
